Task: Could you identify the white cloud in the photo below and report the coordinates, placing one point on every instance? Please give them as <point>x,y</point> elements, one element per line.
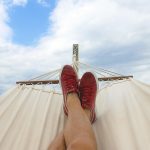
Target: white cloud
<point>5,30</point>
<point>19,2</point>
<point>109,32</point>
<point>44,2</point>
<point>14,2</point>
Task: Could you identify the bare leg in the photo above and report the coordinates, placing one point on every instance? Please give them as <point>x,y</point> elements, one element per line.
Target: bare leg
<point>58,143</point>
<point>78,132</point>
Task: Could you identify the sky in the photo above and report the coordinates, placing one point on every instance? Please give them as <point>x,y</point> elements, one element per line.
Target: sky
<point>36,36</point>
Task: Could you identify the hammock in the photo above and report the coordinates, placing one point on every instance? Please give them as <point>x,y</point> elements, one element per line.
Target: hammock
<point>32,115</point>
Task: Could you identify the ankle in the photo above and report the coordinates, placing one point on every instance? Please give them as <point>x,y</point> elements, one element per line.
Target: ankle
<point>72,98</point>
<point>88,113</point>
<point>72,95</point>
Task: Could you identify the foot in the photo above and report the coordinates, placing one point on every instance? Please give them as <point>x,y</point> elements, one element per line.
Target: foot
<point>69,83</point>
<point>88,90</point>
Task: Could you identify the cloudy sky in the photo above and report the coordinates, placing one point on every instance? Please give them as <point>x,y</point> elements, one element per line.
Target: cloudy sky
<point>36,36</point>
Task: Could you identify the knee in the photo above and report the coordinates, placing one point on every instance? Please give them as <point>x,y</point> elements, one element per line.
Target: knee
<point>81,144</point>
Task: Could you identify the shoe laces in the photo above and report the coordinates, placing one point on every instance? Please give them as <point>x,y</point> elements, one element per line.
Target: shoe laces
<point>87,94</point>
<point>70,83</point>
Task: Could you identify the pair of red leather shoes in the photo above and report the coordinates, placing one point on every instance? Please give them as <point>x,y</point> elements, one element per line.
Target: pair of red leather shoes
<point>86,88</point>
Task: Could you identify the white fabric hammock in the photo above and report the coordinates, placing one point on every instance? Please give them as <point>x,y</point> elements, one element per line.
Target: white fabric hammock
<point>31,117</point>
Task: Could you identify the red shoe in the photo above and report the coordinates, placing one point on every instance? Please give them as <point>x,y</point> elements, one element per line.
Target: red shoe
<point>69,83</point>
<point>88,89</point>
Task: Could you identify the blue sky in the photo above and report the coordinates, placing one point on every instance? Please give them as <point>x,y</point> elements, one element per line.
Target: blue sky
<point>36,36</point>
<point>30,22</point>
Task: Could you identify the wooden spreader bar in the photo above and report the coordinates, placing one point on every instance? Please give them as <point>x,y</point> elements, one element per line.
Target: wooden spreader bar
<point>38,82</point>
<point>57,81</point>
<point>114,78</point>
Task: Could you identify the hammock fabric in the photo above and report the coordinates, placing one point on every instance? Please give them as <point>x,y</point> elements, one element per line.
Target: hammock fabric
<point>31,117</point>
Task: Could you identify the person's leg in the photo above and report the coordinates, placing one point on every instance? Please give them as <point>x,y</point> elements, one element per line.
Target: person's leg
<point>78,132</point>
<point>58,143</point>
